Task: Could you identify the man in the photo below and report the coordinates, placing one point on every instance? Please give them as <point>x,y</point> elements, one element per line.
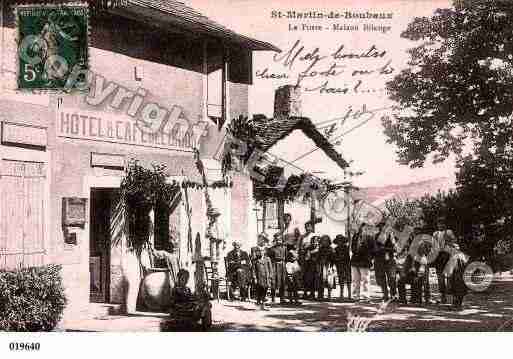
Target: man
<point>415,272</point>
<point>278,255</point>
<point>363,248</point>
<point>237,262</point>
<point>305,241</point>
<point>385,264</point>
<point>441,238</point>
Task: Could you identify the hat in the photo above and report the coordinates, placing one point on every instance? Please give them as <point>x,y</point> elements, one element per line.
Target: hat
<point>277,237</point>
<point>263,236</point>
<point>325,240</point>
<point>340,239</point>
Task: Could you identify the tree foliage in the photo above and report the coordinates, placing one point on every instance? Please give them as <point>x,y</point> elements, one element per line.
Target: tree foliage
<point>459,82</point>
<point>485,179</point>
<point>405,211</point>
<point>461,213</point>
<point>142,189</point>
<point>456,94</point>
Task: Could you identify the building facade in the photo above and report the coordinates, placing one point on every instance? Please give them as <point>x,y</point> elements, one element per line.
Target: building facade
<point>63,155</point>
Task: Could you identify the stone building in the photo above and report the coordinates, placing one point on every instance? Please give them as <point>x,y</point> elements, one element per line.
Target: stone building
<point>273,203</point>
<point>62,156</point>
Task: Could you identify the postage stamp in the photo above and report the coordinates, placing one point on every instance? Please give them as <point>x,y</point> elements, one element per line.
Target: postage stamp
<point>52,44</point>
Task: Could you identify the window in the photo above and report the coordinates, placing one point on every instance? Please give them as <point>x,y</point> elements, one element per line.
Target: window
<point>22,213</point>
<point>267,217</point>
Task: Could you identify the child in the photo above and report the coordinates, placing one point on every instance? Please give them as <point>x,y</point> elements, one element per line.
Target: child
<point>293,276</point>
<point>416,272</point>
<point>187,306</point>
<point>278,257</point>
<point>262,275</point>
<point>343,264</point>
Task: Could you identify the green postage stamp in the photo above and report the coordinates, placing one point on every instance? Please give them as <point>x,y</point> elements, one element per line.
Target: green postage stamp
<point>52,46</point>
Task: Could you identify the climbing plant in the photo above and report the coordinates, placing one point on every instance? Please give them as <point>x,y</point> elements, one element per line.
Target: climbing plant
<point>141,190</point>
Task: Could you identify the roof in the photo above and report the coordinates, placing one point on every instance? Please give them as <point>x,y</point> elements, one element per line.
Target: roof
<point>172,14</point>
<point>271,131</point>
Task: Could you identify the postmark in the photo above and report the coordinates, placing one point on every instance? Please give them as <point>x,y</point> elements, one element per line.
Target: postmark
<point>52,45</point>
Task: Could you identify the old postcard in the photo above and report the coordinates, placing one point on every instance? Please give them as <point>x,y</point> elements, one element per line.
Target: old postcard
<point>264,166</point>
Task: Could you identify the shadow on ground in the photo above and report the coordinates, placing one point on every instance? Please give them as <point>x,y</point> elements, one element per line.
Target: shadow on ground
<point>491,310</point>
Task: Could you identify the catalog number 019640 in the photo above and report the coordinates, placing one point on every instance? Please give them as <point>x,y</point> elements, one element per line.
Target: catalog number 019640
<point>15,346</point>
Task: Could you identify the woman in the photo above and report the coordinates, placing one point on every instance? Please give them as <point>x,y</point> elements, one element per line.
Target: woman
<point>342,260</point>
<point>324,267</point>
<point>310,268</point>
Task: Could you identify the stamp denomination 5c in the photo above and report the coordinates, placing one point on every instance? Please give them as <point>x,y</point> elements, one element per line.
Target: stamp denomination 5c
<point>52,44</point>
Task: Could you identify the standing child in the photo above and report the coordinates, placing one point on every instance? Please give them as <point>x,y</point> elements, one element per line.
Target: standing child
<point>262,276</point>
<point>278,257</point>
<point>343,264</point>
<point>293,276</point>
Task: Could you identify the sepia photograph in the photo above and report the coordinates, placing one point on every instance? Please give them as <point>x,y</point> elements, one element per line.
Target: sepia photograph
<point>255,166</point>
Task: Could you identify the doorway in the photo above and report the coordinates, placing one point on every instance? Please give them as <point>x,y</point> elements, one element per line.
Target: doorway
<point>100,243</point>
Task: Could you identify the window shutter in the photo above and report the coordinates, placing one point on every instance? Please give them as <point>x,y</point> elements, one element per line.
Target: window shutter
<point>22,213</point>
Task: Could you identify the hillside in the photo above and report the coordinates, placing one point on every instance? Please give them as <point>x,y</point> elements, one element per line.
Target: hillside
<point>378,195</point>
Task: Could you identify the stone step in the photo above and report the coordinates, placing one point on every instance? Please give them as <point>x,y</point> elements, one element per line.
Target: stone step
<point>103,309</point>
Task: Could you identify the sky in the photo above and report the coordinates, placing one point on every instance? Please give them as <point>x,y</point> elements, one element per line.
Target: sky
<point>365,145</point>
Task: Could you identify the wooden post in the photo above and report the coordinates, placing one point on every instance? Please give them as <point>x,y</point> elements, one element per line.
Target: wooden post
<point>225,91</point>
<point>280,208</point>
<point>312,211</point>
<point>264,214</point>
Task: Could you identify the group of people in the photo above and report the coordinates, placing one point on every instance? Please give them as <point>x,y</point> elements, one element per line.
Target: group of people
<point>314,263</point>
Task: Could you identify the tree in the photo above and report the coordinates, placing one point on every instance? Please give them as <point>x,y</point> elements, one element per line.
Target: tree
<point>485,181</point>
<point>405,211</point>
<point>459,82</point>
<point>457,91</point>
<point>447,205</point>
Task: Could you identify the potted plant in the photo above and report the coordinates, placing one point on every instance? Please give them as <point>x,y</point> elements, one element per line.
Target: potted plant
<point>140,191</point>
